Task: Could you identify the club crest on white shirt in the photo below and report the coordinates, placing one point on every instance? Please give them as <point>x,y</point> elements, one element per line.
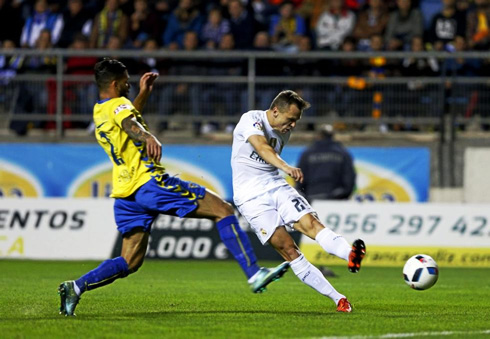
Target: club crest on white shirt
<point>258,125</point>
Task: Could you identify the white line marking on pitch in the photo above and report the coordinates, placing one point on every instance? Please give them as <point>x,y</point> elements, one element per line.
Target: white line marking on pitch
<point>408,335</point>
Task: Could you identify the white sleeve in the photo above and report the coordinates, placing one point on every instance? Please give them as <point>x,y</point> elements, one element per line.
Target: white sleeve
<point>251,125</point>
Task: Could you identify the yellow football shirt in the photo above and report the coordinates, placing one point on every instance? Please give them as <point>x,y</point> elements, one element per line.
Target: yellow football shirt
<point>132,167</point>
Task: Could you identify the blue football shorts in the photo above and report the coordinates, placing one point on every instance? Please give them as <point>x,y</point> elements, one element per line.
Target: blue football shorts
<point>169,195</point>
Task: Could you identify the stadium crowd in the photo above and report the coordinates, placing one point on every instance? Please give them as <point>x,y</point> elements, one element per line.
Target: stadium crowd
<point>252,25</point>
<point>287,26</point>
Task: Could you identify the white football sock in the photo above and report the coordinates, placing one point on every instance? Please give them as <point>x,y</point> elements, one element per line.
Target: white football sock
<point>76,288</point>
<point>312,277</point>
<point>253,277</point>
<point>333,243</point>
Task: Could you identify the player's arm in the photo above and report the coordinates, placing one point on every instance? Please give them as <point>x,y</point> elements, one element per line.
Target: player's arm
<point>146,86</point>
<point>266,152</point>
<point>138,133</point>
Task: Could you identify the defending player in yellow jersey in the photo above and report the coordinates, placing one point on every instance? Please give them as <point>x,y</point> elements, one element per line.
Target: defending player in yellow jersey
<point>142,190</point>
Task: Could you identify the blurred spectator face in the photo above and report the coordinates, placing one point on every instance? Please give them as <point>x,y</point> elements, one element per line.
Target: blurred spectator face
<point>41,6</point>
<point>112,5</point>
<point>348,46</point>
<point>227,42</point>
<point>140,5</point>
<point>481,3</point>
<point>459,44</point>
<point>162,6</point>
<point>404,5</point>
<point>44,40</point>
<point>214,17</point>
<point>190,41</point>
<point>8,44</point>
<point>150,45</point>
<point>377,43</point>
<point>79,44</point>
<point>417,44</point>
<point>336,5</point>
<point>114,43</point>
<point>304,43</point>
<point>449,3</point>
<point>75,6</point>
<point>185,4</point>
<point>261,40</point>
<point>286,10</point>
<point>376,4</point>
<point>235,9</point>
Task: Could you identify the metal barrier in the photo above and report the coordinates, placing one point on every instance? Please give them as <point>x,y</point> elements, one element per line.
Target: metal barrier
<point>60,101</point>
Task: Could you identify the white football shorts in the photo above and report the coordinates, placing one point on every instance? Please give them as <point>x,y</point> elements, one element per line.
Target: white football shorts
<point>281,206</point>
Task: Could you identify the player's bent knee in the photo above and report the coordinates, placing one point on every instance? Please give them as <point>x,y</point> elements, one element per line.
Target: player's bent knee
<point>226,209</point>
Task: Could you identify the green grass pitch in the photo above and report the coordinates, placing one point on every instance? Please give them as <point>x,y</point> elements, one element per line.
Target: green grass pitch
<point>210,299</point>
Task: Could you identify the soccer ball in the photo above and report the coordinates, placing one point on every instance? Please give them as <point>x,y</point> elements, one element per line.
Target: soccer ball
<point>420,272</point>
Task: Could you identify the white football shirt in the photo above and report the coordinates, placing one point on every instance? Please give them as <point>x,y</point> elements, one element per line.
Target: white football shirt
<point>252,175</point>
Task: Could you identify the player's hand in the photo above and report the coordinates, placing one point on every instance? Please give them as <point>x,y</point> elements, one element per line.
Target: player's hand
<point>295,173</point>
<point>154,148</point>
<point>147,80</point>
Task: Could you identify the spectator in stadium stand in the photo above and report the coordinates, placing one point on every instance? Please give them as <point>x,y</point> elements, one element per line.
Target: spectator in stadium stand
<point>342,66</point>
<point>478,26</point>
<point>334,25</point>
<point>79,96</point>
<point>41,19</point>
<point>460,66</point>
<point>143,24</point>
<point>418,98</point>
<point>311,10</point>
<point>9,66</point>
<point>146,65</point>
<point>184,18</point>
<point>214,29</point>
<point>372,20</point>
<point>262,10</point>
<point>419,67</point>
<point>446,25</point>
<point>241,24</point>
<point>303,67</point>
<point>183,98</point>
<point>378,66</point>
<point>10,22</point>
<point>285,26</point>
<point>115,44</point>
<point>222,98</point>
<point>162,9</point>
<point>404,23</point>
<point>110,21</point>
<point>75,19</point>
<point>41,98</point>
<point>328,169</point>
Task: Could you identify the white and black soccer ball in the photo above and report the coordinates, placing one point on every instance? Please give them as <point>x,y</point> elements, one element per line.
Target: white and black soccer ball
<point>420,272</point>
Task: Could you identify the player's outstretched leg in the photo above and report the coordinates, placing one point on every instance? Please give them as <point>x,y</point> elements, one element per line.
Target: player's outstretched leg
<point>104,274</point>
<point>304,270</point>
<point>133,251</point>
<point>332,242</point>
<point>237,241</point>
<point>356,255</point>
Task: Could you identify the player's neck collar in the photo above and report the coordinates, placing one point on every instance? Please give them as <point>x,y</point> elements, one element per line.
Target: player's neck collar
<point>103,100</point>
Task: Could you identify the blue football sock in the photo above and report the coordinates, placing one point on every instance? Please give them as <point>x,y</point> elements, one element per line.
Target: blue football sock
<point>105,274</point>
<point>237,242</point>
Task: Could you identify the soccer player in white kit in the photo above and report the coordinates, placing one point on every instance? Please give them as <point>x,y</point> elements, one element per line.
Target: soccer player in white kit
<point>269,203</point>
